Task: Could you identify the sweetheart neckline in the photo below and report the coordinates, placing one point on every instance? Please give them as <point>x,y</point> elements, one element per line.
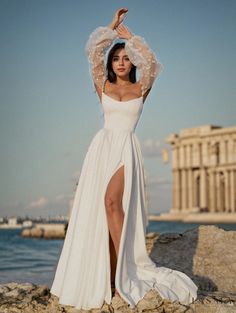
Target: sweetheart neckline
<point>121,101</point>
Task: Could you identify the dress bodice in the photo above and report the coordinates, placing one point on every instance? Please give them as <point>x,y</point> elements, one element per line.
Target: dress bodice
<point>121,115</point>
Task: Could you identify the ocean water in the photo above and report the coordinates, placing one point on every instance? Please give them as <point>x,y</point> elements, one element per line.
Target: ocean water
<point>35,260</point>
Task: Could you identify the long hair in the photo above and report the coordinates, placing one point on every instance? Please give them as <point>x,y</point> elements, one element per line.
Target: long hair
<point>110,73</point>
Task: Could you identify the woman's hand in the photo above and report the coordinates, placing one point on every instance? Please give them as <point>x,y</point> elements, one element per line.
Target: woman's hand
<point>118,18</point>
<point>123,32</point>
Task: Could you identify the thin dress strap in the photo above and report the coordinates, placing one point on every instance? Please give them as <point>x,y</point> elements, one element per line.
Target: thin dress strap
<point>103,87</point>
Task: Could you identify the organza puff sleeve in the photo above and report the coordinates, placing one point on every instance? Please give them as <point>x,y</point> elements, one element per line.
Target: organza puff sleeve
<point>96,47</point>
<point>136,48</point>
<point>144,58</point>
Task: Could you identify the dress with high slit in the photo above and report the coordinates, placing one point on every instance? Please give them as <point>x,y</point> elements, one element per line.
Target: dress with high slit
<point>83,273</point>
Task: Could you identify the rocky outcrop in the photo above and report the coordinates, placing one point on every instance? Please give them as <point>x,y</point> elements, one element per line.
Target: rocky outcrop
<point>46,231</point>
<point>207,254</point>
<point>29,298</point>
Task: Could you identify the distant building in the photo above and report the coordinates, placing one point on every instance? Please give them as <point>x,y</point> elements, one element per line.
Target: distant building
<point>12,221</point>
<point>204,169</point>
<point>27,223</point>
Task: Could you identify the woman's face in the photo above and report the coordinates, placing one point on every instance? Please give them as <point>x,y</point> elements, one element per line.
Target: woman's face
<point>121,64</point>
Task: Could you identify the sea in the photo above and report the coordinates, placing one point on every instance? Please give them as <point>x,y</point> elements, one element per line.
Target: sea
<point>35,260</point>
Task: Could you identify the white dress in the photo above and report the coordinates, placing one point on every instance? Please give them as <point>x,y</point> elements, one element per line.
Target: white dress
<point>82,277</point>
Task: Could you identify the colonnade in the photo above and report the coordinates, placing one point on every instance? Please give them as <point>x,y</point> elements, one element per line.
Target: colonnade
<point>204,169</point>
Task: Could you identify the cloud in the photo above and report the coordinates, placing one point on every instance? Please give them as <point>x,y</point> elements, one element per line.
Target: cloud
<point>157,181</point>
<point>59,201</point>
<point>154,148</point>
<point>38,204</point>
<point>61,198</point>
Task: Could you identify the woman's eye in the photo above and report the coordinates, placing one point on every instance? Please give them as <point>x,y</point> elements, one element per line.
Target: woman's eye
<point>116,59</point>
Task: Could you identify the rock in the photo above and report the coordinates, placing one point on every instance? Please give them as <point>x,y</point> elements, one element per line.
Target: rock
<point>26,232</point>
<point>37,232</point>
<point>53,234</point>
<point>30,298</point>
<point>169,237</point>
<point>151,238</point>
<point>46,231</point>
<point>207,254</point>
<point>193,252</point>
<point>33,232</point>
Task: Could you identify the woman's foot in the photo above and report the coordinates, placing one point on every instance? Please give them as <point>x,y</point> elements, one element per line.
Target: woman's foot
<point>114,291</point>
<point>117,293</point>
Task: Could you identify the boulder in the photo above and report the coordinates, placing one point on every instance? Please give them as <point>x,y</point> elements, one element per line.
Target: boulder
<point>206,253</point>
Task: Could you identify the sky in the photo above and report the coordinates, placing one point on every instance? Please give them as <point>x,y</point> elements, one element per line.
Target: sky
<point>49,111</point>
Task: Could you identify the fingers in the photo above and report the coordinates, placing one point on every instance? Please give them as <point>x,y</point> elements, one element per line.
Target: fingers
<point>122,32</point>
<point>123,10</point>
<point>122,27</point>
<point>122,17</point>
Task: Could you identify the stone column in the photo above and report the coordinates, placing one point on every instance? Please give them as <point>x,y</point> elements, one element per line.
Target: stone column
<point>176,190</point>
<point>222,192</point>
<point>231,150</point>
<point>203,196</point>
<point>183,190</point>
<point>175,157</point>
<point>212,196</point>
<point>188,156</point>
<point>205,158</point>
<point>196,189</point>
<point>218,194</point>
<point>234,147</point>
<point>213,153</point>
<point>181,156</point>
<point>222,151</point>
<point>190,189</point>
<point>196,155</point>
<point>227,191</point>
<point>173,191</point>
<point>232,191</point>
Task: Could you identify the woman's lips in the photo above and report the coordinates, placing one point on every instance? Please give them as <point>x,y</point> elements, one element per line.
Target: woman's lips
<point>121,69</point>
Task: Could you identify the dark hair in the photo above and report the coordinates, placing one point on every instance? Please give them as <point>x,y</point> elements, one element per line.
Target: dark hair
<point>110,73</point>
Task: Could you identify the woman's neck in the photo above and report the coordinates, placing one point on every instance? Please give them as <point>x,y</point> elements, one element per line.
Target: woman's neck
<point>122,81</point>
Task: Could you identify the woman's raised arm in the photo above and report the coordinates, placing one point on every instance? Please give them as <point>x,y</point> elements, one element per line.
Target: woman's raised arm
<point>141,56</point>
<point>98,43</point>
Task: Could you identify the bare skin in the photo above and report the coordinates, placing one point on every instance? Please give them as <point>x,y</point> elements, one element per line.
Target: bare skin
<point>121,90</point>
<point>115,216</point>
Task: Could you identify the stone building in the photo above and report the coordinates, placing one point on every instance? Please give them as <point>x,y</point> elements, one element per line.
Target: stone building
<point>204,169</point>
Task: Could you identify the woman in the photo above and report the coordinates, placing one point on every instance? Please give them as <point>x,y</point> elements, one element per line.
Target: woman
<point>105,242</point>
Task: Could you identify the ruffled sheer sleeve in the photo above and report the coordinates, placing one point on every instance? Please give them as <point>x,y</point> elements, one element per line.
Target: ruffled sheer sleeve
<point>144,58</point>
<point>98,43</point>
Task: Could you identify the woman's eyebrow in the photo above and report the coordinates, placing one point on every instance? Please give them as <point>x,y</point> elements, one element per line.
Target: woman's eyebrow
<point>118,55</point>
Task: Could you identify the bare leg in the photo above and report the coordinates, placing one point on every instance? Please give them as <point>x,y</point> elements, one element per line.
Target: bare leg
<point>115,214</point>
<point>113,260</point>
